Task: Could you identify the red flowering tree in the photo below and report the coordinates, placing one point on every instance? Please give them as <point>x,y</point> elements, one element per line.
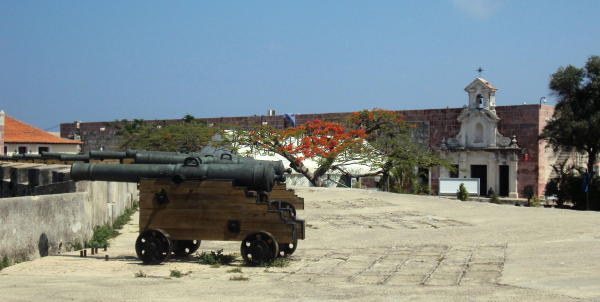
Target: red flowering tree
<point>376,138</point>
<point>327,143</point>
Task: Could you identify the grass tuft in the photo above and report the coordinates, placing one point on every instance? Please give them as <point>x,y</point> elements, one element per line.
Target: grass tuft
<point>140,274</point>
<point>175,274</point>
<point>216,258</point>
<point>235,270</point>
<point>239,278</point>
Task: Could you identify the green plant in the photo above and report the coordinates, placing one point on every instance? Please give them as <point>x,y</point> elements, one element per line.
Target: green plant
<point>217,257</point>
<point>235,270</point>
<point>528,192</point>
<point>535,202</point>
<point>104,233</point>
<point>176,274</point>
<point>101,236</point>
<point>494,197</point>
<point>239,278</point>
<point>124,218</point>
<point>279,262</point>
<point>4,263</point>
<point>462,193</point>
<point>76,245</point>
<point>140,274</point>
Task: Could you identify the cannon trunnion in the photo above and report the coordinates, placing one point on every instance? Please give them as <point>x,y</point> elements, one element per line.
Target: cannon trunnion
<point>175,217</point>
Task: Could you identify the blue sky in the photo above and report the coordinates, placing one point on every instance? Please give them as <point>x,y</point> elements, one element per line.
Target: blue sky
<point>62,61</point>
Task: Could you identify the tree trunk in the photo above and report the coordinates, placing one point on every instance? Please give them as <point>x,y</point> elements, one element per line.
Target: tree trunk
<point>313,178</point>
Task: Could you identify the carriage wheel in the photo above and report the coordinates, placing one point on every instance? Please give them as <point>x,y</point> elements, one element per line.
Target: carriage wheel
<point>153,246</point>
<point>182,248</point>
<point>259,248</point>
<point>286,249</point>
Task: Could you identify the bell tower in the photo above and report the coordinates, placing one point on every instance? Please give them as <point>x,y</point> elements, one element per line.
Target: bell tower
<point>481,94</point>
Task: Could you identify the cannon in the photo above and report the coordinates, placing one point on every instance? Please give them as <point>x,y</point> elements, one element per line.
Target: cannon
<point>183,204</point>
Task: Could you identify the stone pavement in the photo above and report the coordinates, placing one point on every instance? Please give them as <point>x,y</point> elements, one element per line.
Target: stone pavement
<point>360,246</point>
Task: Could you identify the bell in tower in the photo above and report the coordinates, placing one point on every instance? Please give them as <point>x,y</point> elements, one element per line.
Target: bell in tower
<point>482,94</point>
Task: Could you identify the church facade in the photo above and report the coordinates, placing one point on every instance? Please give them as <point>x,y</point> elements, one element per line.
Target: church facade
<point>497,144</point>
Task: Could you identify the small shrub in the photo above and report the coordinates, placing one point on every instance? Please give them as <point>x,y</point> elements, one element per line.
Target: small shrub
<point>462,193</point>
<point>235,270</point>
<point>101,236</point>
<point>176,274</point>
<point>535,202</point>
<point>494,198</point>
<point>4,263</point>
<point>528,192</point>
<point>76,245</point>
<point>217,257</point>
<point>140,274</point>
<point>239,278</point>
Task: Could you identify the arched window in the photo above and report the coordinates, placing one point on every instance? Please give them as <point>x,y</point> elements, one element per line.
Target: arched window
<point>478,133</point>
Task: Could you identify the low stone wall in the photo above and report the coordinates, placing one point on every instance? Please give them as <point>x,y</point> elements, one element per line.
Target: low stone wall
<point>36,226</point>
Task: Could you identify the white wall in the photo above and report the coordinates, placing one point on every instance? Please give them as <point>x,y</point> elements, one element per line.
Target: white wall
<point>33,148</point>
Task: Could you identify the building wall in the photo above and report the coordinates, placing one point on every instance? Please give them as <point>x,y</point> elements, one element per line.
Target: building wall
<point>13,148</point>
<point>1,132</point>
<point>524,121</point>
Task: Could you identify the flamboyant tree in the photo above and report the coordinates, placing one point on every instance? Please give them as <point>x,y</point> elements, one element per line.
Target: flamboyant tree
<point>378,139</point>
<point>327,143</point>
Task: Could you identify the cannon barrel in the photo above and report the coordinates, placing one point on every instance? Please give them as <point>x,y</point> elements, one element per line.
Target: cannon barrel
<point>179,158</point>
<point>95,154</point>
<point>74,157</point>
<point>254,176</point>
<point>132,153</point>
<point>32,156</point>
<point>52,155</point>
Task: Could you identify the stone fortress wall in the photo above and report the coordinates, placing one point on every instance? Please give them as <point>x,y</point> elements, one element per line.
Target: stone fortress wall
<point>43,212</point>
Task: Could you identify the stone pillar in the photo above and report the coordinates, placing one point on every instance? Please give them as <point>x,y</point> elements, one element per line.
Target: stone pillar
<point>464,170</point>
<point>492,173</point>
<point>512,176</point>
<point>2,132</point>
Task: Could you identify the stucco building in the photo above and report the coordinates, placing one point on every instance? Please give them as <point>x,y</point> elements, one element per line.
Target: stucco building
<point>498,144</point>
<point>19,137</point>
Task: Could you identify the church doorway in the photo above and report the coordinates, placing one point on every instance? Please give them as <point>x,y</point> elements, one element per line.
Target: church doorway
<point>480,171</point>
<point>503,177</point>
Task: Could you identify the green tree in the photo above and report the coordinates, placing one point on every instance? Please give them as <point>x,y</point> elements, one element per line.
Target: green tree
<point>576,120</point>
<point>394,150</point>
<point>189,136</point>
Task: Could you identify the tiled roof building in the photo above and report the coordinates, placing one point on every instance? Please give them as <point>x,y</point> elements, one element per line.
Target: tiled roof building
<point>20,137</point>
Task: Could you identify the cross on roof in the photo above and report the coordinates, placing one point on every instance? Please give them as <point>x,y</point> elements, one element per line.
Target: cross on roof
<point>479,70</point>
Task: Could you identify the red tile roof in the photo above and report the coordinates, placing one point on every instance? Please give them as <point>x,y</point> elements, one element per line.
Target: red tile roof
<point>18,132</point>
